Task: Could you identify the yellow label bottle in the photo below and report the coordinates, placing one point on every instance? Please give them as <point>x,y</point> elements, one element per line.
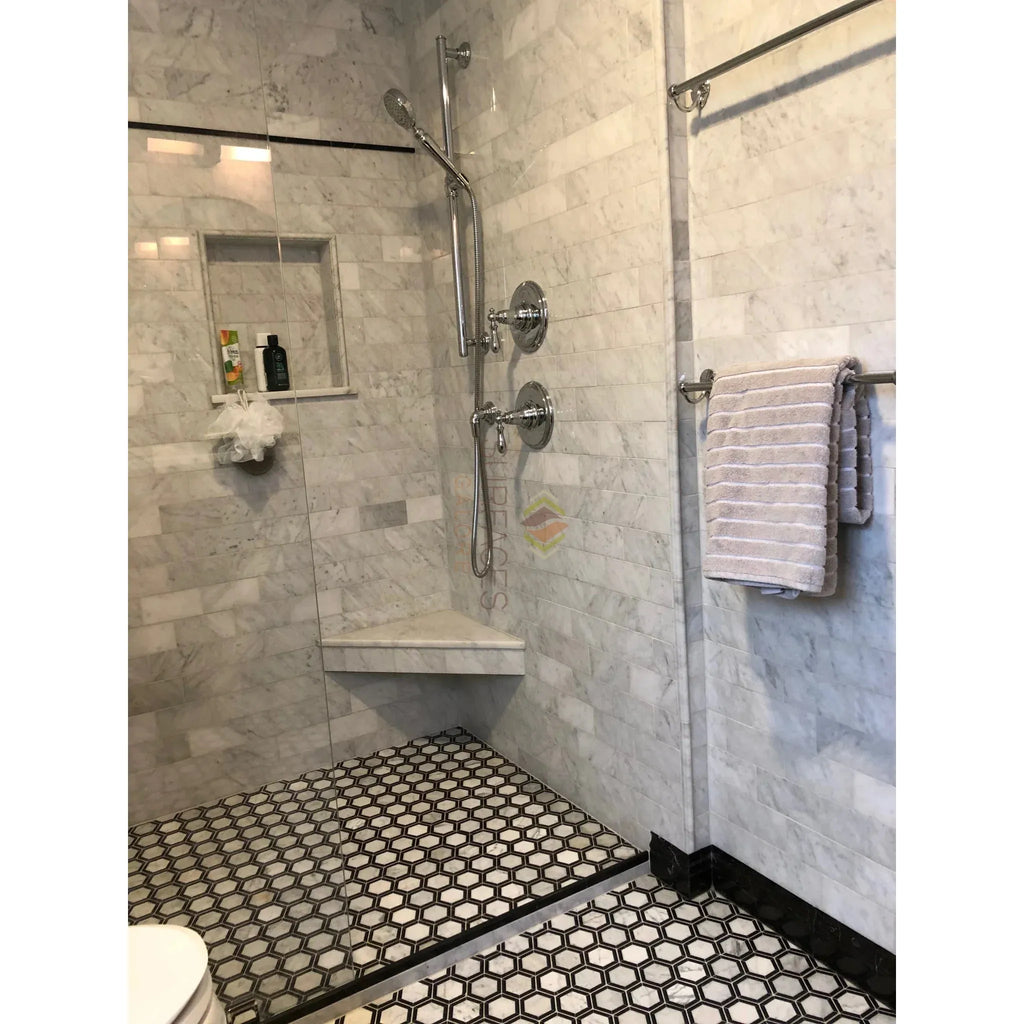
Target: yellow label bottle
<point>232,358</point>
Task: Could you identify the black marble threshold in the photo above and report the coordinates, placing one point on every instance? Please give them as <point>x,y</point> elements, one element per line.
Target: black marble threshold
<point>846,951</point>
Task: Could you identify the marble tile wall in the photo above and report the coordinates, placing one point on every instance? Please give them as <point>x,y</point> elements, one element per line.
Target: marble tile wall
<point>225,689</point>
<point>195,65</point>
<point>230,571</point>
<point>561,128</point>
<point>790,228</point>
<point>305,68</point>
<point>371,463</point>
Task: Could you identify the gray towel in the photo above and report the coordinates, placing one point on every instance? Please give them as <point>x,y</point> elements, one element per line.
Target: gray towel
<point>771,478</point>
<point>856,492</point>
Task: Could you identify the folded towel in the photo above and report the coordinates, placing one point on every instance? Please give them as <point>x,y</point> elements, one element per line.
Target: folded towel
<point>771,477</point>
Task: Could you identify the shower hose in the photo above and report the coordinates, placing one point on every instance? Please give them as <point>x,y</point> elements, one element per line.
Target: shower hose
<point>480,490</point>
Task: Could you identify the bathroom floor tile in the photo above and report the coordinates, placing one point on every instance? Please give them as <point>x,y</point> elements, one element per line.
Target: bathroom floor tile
<point>640,953</point>
<point>305,884</point>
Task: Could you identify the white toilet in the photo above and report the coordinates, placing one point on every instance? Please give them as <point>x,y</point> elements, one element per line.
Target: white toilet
<point>168,977</point>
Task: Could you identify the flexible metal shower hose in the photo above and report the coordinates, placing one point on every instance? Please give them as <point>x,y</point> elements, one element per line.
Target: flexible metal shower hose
<point>479,466</point>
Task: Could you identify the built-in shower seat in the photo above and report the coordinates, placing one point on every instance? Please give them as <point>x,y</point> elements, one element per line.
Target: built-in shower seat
<point>445,641</point>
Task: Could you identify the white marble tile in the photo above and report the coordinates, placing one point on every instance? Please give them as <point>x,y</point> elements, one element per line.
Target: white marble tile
<point>791,222</point>
<point>872,919</point>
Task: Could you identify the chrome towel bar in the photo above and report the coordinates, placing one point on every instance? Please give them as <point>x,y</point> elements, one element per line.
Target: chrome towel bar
<point>701,388</point>
<point>699,86</point>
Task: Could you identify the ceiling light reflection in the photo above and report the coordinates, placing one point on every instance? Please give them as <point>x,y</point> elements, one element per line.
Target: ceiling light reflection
<point>252,154</point>
<point>174,146</point>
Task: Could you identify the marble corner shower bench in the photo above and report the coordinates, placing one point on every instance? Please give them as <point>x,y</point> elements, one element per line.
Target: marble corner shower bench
<point>445,641</point>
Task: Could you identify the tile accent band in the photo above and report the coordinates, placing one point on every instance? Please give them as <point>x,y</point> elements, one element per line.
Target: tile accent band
<point>847,952</point>
<point>400,966</point>
<point>262,137</point>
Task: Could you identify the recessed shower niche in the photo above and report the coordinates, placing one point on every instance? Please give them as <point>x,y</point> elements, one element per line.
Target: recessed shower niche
<point>265,284</point>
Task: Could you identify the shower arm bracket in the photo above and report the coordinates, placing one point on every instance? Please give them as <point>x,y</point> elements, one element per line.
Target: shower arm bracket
<point>461,54</point>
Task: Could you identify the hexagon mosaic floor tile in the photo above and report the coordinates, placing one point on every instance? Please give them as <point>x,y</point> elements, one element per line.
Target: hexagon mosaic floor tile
<point>304,884</point>
<point>639,954</point>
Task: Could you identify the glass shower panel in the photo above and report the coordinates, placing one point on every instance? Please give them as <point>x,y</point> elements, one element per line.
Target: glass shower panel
<point>230,788</point>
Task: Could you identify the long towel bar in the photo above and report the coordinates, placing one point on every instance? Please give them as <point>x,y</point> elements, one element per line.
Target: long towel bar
<point>707,378</point>
<point>699,86</point>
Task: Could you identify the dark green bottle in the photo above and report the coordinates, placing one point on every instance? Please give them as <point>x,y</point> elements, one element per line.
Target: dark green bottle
<point>275,363</point>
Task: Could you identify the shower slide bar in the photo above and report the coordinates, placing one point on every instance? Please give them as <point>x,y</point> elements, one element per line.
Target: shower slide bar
<point>699,86</point>
<point>462,55</point>
<point>701,388</point>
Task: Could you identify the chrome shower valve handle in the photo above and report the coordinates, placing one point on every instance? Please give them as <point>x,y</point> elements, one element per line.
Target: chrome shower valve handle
<point>533,416</point>
<point>493,319</point>
<point>522,319</point>
<point>526,318</point>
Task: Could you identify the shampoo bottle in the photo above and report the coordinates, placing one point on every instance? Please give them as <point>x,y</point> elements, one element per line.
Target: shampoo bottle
<point>261,373</point>
<point>232,358</point>
<point>275,363</point>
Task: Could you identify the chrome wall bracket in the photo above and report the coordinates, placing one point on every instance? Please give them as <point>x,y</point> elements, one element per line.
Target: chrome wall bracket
<point>698,96</point>
<point>526,318</point>
<point>696,391</point>
<point>461,54</point>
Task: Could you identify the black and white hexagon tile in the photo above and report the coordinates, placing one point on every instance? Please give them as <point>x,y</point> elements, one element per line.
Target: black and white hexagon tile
<point>302,885</point>
<point>640,954</point>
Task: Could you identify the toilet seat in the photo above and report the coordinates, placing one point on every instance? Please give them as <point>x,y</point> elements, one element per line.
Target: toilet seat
<point>168,979</point>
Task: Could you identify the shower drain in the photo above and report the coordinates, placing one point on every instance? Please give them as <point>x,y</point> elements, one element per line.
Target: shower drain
<point>247,1009</point>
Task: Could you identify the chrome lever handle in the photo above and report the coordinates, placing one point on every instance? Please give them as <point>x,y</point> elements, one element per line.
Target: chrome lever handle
<point>494,319</point>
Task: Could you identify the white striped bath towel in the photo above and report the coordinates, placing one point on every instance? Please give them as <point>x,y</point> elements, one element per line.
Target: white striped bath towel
<point>771,477</point>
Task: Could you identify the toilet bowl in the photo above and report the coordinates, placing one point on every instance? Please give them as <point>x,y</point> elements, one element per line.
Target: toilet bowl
<point>168,977</point>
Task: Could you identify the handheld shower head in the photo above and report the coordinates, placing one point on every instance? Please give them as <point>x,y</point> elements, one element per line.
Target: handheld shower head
<point>399,109</point>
